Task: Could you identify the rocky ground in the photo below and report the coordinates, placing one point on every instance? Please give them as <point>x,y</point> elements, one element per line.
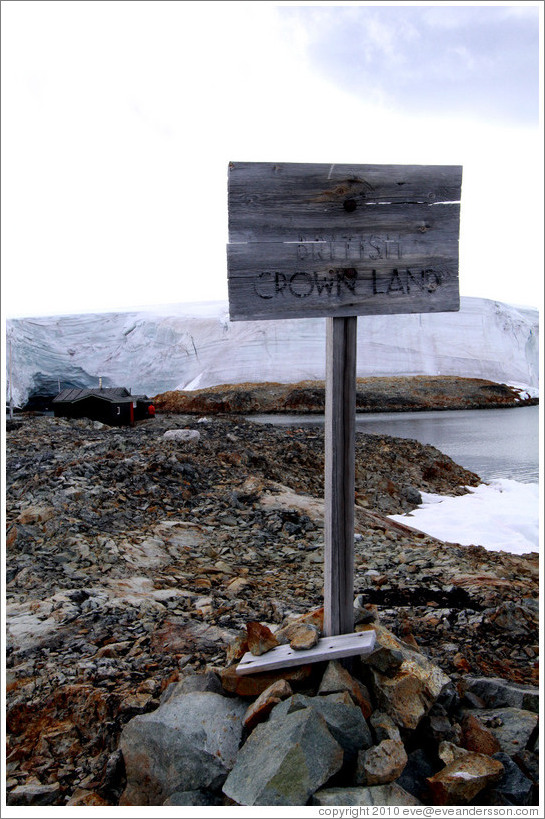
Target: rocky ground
<point>135,555</point>
<point>382,394</point>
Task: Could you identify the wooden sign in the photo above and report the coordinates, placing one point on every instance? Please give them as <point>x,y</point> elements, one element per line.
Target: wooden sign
<point>342,240</point>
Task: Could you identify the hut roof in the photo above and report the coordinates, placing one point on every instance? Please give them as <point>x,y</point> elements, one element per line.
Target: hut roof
<point>112,394</point>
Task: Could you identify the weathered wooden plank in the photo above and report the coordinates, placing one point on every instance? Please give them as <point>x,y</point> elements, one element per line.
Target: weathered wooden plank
<point>385,230</point>
<point>298,201</point>
<point>313,287</point>
<point>338,240</point>
<point>340,429</point>
<point>327,648</point>
<point>378,223</point>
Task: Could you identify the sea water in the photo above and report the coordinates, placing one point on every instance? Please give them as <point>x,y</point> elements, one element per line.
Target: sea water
<point>493,443</point>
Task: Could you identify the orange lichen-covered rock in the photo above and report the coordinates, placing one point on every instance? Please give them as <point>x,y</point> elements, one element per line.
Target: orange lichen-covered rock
<point>260,638</point>
<point>251,685</point>
<point>462,779</point>
<point>263,705</point>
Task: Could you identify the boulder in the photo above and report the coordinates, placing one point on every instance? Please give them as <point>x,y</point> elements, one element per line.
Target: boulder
<point>343,718</point>
<point>260,638</point>
<point>189,743</point>
<point>208,681</point>
<point>513,787</point>
<point>381,764</point>
<point>498,693</point>
<point>477,737</point>
<point>300,636</point>
<point>252,685</point>
<point>260,709</point>
<point>405,683</point>
<point>284,761</point>
<point>337,679</point>
<point>514,728</point>
<point>192,799</point>
<point>33,793</point>
<point>406,692</point>
<point>384,726</point>
<point>182,436</point>
<point>463,778</point>
<point>391,794</point>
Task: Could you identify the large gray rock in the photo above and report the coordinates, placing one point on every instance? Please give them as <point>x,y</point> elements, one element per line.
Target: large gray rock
<point>192,798</point>
<point>514,787</point>
<point>188,743</point>
<point>337,679</point>
<point>192,682</point>
<point>514,728</point>
<point>420,765</point>
<point>343,718</point>
<point>284,761</point>
<point>391,794</point>
<point>33,793</point>
<point>498,693</point>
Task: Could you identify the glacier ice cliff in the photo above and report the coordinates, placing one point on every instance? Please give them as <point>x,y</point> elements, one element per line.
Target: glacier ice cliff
<point>190,346</point>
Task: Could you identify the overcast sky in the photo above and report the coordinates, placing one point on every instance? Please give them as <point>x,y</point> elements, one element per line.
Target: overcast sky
<point>119,120</point>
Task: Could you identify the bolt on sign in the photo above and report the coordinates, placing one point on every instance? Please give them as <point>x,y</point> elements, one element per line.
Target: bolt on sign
<point>341,241</point>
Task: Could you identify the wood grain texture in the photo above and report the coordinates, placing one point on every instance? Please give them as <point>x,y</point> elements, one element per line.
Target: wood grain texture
<point>339,240</point>
<point>340,426</point>
<point>327,648</point>
<point>310,286</point>
<point>294,201</point>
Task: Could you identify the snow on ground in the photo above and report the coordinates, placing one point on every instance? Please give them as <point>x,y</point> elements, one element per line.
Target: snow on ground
<point>502,515</point>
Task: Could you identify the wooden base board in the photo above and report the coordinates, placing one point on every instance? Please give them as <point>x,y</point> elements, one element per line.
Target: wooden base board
<point>327,648</point>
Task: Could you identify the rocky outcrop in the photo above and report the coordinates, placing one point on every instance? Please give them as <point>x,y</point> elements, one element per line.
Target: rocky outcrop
<point>395,394</point>
<point>317,748</point>
<point>134,561</point>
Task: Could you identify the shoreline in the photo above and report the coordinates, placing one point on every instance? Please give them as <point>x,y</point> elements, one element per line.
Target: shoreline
<point>379,394</point>
<point>136,555</point>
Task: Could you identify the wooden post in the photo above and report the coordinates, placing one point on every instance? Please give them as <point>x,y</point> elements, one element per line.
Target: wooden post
<point>340,241</point>
<point>340,424</point>
<point>10,384</point>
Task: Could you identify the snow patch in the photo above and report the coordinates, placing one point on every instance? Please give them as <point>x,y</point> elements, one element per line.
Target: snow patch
<point>501,516</point>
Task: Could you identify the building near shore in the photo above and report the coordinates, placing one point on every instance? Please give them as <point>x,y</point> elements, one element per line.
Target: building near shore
<point>110,405</point>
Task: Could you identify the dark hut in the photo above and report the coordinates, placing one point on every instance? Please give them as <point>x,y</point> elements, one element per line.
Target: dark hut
<point>110,405</point>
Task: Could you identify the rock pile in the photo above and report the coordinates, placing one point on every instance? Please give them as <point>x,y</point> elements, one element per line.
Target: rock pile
<point>135,558</point>
<point>394,731</point>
